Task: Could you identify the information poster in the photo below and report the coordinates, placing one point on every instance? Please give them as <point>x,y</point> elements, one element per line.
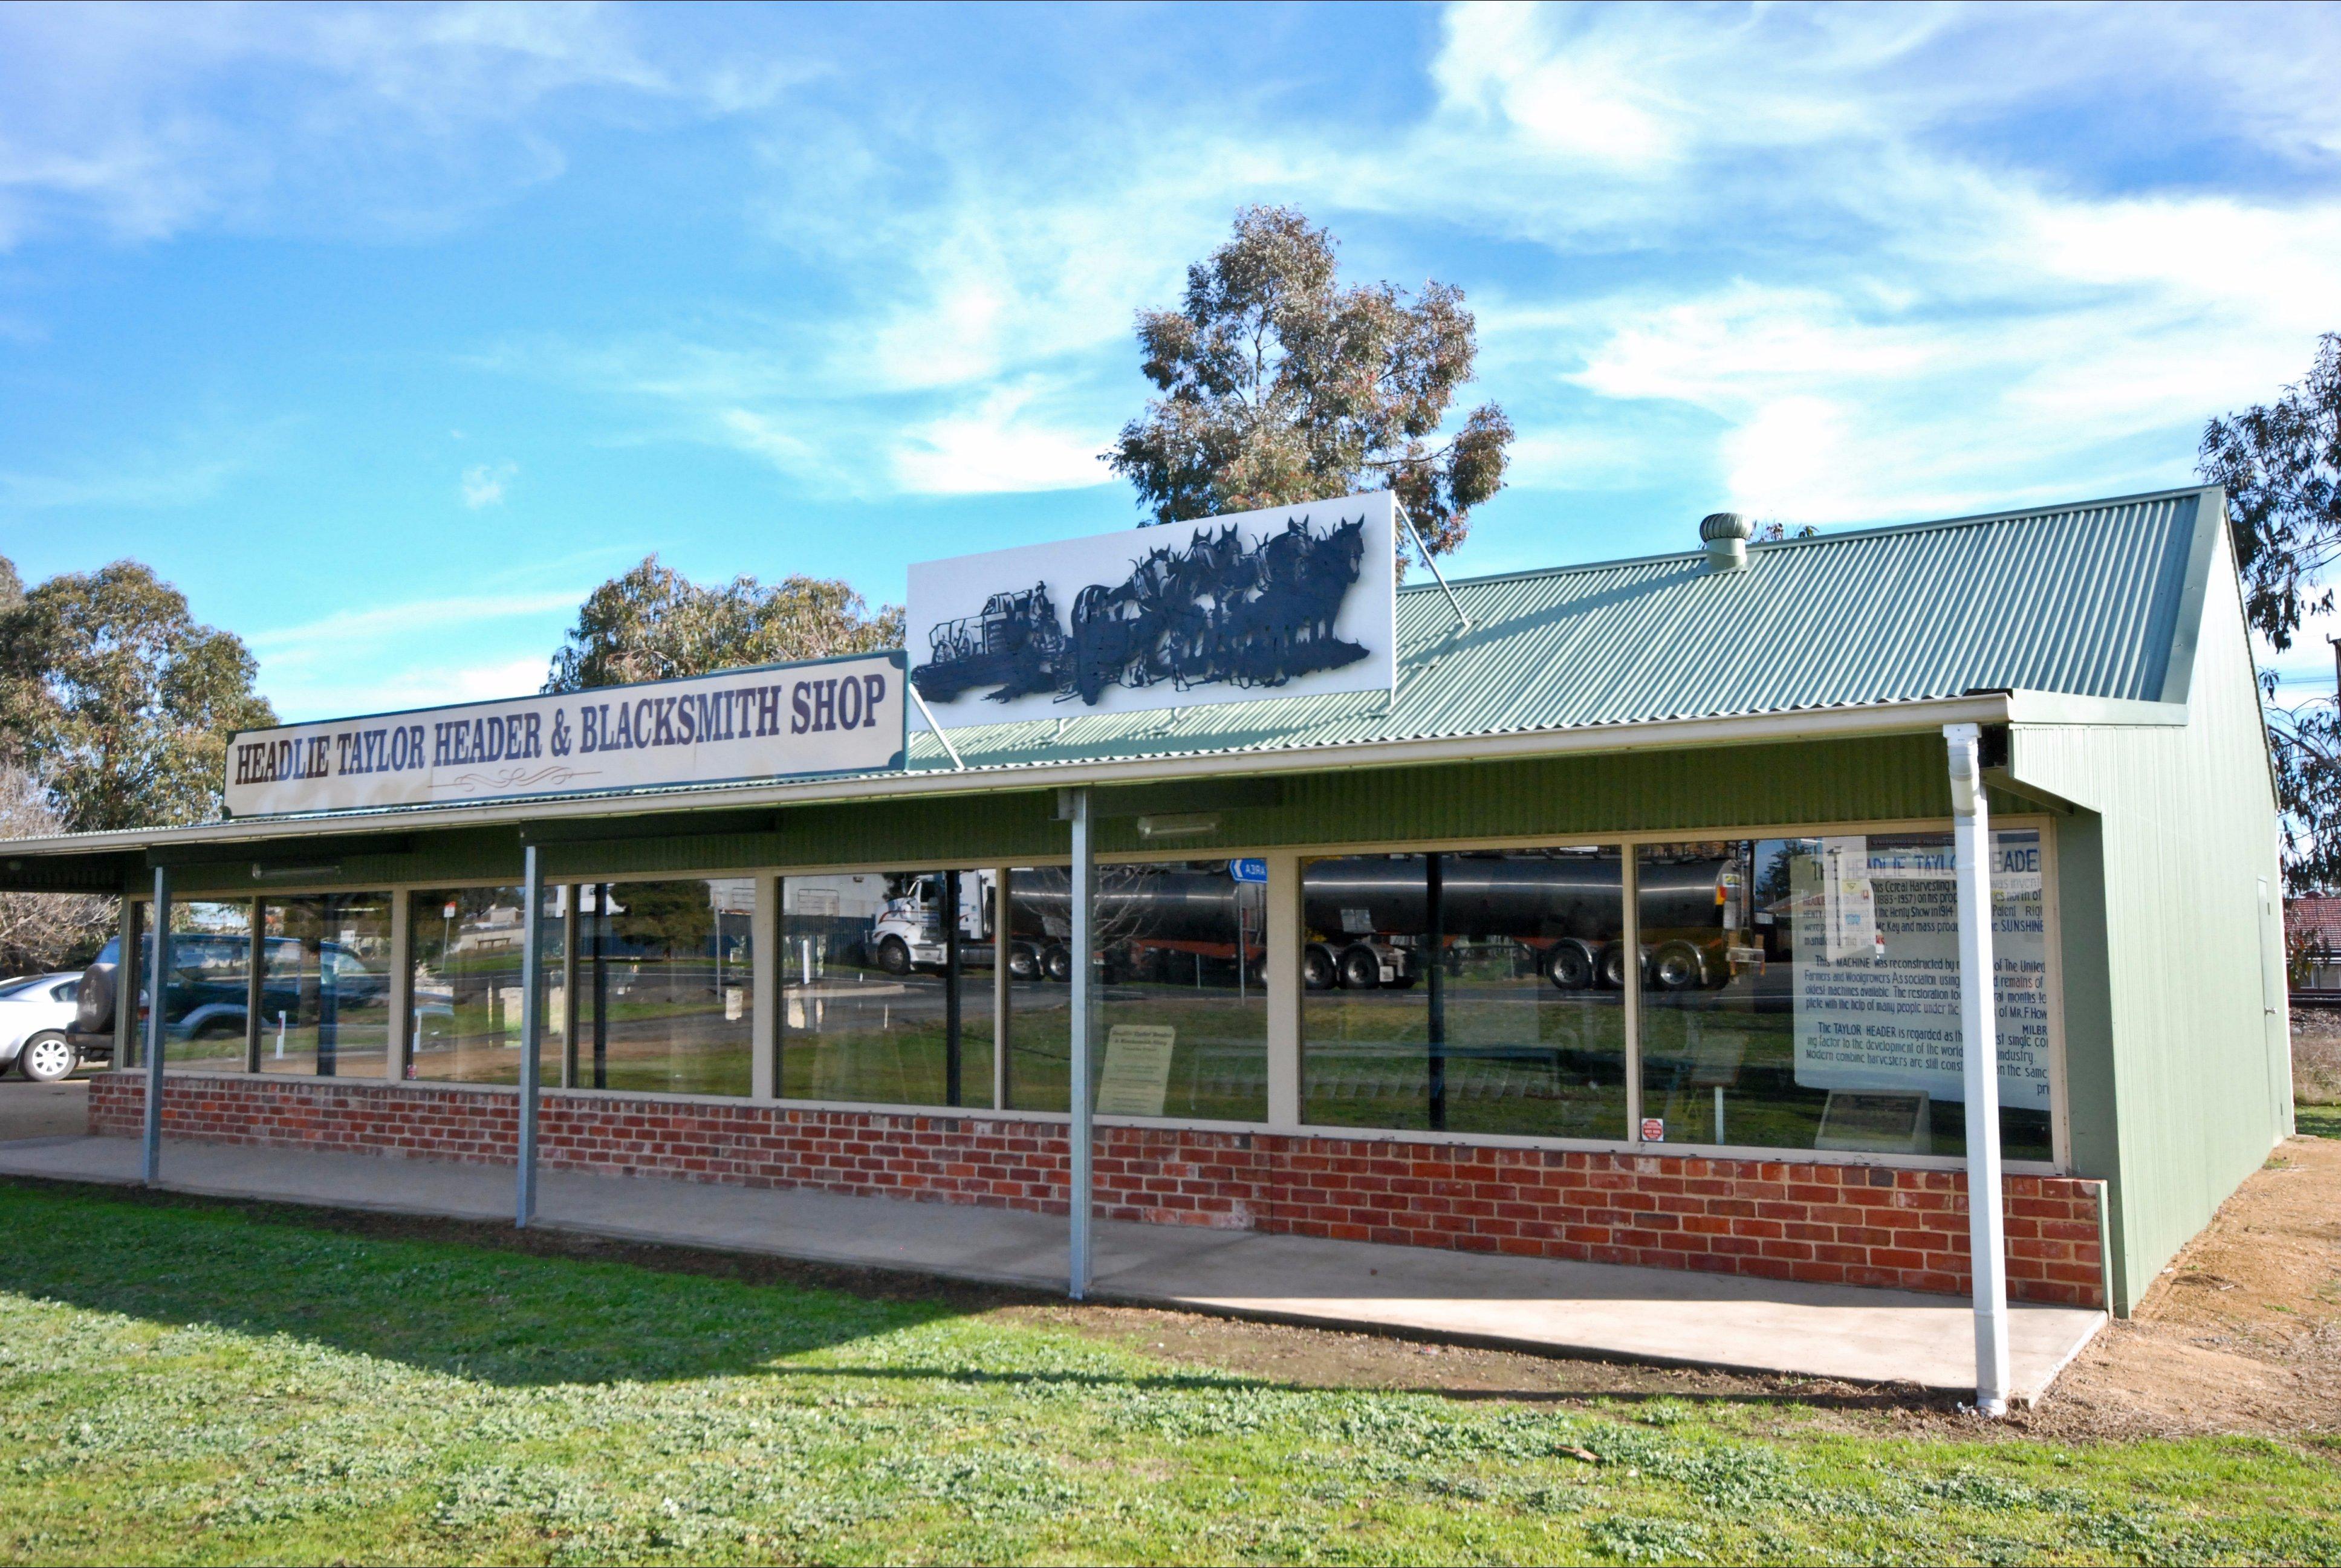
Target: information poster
<point>1876,936</point>
<point>1137,1069</point>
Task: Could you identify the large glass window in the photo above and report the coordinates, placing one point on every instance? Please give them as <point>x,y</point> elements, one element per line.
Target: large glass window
<point>1182,1015</point>
<point>1804,994</point>
<point>1476,992</point>
<point>667,984</point>
<point>326,985</point>
<point>464,1024</point>
<point>207,997</point>
<point>885,989</point>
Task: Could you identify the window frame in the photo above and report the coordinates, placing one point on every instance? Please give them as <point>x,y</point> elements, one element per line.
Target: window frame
<point>1297,855</point>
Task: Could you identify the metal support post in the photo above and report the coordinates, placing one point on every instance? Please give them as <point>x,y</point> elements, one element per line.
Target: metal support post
<point>1462,621</point>
<point>1076,806</point>
<point>950,750</point>
<point>532,1026</point>
<point>158,973</point>
<point>1979,1038</point>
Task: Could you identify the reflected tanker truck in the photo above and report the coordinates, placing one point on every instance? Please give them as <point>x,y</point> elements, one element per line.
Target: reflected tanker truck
<point>1145,916</point>
<point>1366,918</point>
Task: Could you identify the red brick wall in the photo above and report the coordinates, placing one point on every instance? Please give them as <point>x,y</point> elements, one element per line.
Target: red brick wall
<point>1837,1223</point>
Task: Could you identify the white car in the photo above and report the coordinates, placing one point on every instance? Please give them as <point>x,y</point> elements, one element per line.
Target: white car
<point>36,1011</point>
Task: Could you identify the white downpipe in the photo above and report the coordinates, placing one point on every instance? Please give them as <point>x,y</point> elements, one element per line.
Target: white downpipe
<point>1083,1021</point>
<point>1979,1035</point>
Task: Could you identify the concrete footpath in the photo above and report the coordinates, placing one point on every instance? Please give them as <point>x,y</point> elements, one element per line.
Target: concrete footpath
<point>1658,1315</point>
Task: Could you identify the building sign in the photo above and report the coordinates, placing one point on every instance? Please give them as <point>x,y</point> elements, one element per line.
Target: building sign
<point>1291,601</point>
<point>1877,996</point>
<point>776,721</point>
<point>1137,1072</point>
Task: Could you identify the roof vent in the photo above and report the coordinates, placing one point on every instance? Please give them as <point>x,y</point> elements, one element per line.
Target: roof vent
<point>1725,534</point>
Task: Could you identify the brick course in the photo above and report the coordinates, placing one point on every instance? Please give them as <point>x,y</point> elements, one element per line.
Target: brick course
<point>1822,1222</point>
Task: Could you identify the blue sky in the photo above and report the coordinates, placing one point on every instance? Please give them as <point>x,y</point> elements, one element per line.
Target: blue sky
<point>387,332</point>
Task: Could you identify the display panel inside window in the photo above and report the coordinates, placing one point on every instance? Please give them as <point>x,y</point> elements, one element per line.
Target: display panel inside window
<point>1183,1011</point>
<point>1479,992</point>
<point>885,988</point>
<point>1804,994</point>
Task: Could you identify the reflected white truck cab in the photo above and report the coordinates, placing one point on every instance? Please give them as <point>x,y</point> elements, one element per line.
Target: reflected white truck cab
<point>909,934</point>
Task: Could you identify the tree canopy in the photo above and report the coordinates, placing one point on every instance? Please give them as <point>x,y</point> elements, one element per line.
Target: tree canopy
<point>655,624</point>
<point>2281,465</point>
<point>117,701</point>
<point>1279,385</point>
<point>43,930</point>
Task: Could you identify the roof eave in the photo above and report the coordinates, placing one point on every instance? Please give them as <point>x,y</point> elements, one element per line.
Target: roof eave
<point>1811,724</point>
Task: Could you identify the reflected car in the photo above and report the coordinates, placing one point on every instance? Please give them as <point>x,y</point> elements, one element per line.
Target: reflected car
<point>34,1014</point>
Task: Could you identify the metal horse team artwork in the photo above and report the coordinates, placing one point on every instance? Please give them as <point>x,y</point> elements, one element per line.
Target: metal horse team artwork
<point>1220,611</point>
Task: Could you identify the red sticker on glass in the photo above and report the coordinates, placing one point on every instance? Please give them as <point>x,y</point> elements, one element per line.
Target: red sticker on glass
<point>1654,1129</point>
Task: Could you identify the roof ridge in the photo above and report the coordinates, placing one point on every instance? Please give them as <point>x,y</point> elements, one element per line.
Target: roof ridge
<point>1971,519</point>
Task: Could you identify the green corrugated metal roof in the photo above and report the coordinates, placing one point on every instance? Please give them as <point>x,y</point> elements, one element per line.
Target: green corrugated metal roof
<point>2098,600</point>
<point>2087,601</point>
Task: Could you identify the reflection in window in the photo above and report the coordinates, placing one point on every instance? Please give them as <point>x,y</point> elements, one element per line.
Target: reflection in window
<point>885,989</point>
<point>326,985</point>
<point>464,1026</point>
<point>1183,1013</point>
<point>207,997</point>
<point>666,985</point>
<point>1478,992</point>
<point>1804,994</point>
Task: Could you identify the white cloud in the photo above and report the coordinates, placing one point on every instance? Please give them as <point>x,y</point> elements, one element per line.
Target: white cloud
<point>1884,313</point>
<point>302,696</point>
<point>183,470</point>
<point>345,628</point>
<point>484,483</point>
<point>1852,261</point>
<point>1001,444</point>
<point>469,683</point>
<point>145,121</point>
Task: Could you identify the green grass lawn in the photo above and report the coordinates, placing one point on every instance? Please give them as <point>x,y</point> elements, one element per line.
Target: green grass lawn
<point>188,1383</point>
<point>2317,1121</point>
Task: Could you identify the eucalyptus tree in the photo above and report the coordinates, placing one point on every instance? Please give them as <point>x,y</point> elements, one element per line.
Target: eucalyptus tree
<point>2281,465</point>
<point>1279,384</point>
<point>653,623</point>
<point>117,701</point>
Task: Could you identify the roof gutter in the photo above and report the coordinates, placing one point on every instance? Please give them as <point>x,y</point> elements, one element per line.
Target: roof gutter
<point>1818,724</point>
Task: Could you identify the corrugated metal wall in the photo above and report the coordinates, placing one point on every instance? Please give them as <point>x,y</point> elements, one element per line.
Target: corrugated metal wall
<point>2178,1078</point>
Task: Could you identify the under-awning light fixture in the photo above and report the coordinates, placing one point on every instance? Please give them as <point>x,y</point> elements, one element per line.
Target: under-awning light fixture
<point>261,873</point>
<point>1185,825</point>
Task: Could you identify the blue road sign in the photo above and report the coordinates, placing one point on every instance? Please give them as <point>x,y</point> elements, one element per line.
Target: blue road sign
<point>1248,870</point>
